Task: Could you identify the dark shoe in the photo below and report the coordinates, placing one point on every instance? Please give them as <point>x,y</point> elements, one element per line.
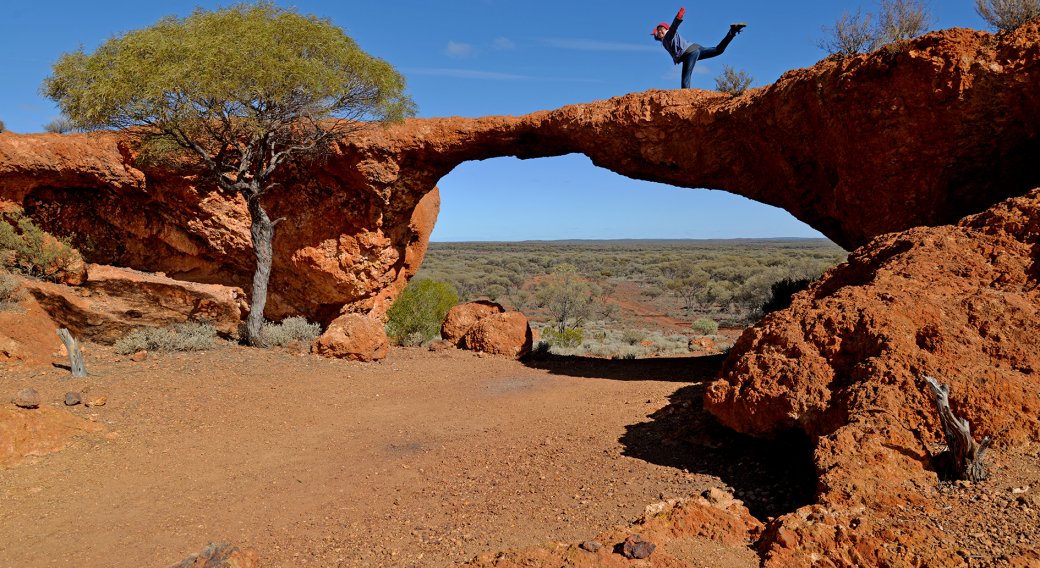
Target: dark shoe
<point>735,28</point>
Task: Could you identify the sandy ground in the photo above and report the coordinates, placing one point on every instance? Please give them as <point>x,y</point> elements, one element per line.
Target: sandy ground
<point>423,459</point>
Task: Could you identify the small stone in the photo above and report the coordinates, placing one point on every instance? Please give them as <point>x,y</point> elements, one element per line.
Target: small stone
<point>440,345</point>
<point>72,398</point>
<point>637,547</point>
<point>141,355</point>
<point>1019,490</point>
<point>27,398</point>
<point>591,545</point>
<point>98,400</point>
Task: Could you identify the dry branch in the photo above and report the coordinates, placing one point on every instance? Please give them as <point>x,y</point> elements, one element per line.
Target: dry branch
<point>967,459</point>
<point>79,370</point>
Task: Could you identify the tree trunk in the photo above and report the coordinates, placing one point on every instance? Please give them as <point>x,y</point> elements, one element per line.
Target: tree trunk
<point>262,232</point>
<point>967,459</point>
<point>79,369</point>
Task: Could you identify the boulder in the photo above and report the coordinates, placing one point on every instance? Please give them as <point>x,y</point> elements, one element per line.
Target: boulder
<point>462,317</point>
<point>221,555</point>
<point>845,363</point>
<point>114,301</point>
<point>855,147</point>
<point>500,334</point>
<point>355,337</point>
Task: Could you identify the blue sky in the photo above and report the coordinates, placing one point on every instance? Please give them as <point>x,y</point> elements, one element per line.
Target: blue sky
<point>496,57</point>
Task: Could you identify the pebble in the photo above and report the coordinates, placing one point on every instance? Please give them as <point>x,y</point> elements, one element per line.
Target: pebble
<point>98,400</point>
<point>72,398</point>
<point>27,398</point>
<point>139,356</point>
<point>637,547</point>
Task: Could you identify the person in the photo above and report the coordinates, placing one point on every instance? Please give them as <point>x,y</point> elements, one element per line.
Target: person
<point>688,53</point>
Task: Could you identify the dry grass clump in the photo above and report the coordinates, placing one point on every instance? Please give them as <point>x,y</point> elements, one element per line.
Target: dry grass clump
<point>10,291</point>
<point>289,330</point>
<point>191,336</point>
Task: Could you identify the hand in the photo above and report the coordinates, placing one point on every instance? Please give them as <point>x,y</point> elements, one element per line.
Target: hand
<point>681,12</point>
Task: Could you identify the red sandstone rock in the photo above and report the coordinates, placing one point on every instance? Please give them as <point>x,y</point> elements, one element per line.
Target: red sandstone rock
<point>355,337</point>
<point>500,334</point>
<point>462,317</point>
<point>845,363</point>
<point>37,432</point>
<point>27,334</point>
<point>856,148</point>
<point>114,301</point>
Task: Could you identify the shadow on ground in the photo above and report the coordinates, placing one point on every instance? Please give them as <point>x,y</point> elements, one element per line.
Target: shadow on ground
<point>773,477</point>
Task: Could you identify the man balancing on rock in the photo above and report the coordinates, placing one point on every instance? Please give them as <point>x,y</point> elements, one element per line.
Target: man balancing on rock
<point>686,52</point>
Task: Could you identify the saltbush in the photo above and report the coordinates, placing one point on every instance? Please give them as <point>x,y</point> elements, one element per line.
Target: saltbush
<point>1007,15</point>
<point>568,338</point>
<point>732,81</point>
<point>191,336</point>
<point>633,336</point>
<point>28,249</point>
<point>417,314</point>
<point>10,290</point>
<point>289,330</point>
<point>706,326</point>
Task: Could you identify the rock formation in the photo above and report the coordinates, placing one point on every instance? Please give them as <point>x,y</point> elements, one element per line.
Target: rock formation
<point>845,363</point>
<point>925,134</point>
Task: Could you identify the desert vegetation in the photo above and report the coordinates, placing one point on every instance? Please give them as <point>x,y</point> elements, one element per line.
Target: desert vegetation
<point>3,127</point>
<point>190,336</point>
<point>597,298</point>
<point>28,249</point>
<point>10,291</point>
<point>60,125</point>
<point>890,21</point>
<point>416,316</point>
<point>732,81</point>
<point>1007,15</point>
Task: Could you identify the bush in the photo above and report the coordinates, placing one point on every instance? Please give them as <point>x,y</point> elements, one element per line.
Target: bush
<point>705,326</point>
<point>190,336</point>
<point>30,250</point>
<point>10,291</point>
<point>633,337</point>
<point>417,314</point>
<point>2,127</point>
<point>568,338</point>
<point>895,20</point>
<point>1007,15</point>
<point>781,292</point>
<point>60,125</point>
<point>732,81</point>
<point>289,330</point>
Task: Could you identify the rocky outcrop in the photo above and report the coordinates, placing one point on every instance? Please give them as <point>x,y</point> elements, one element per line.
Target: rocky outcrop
<point>38,431</point>
<point>113,301</point>
<point>506,334</point>
<point>845,363</point>
<point>461,318</point>
<point>918,135</point>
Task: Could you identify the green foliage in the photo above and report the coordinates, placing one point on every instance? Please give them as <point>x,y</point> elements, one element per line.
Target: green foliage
<point>289,330</point>
<point>190,336</point>
<point>417,314</point>
<point>633,336</point>
<point>706,326</point>
<point>570,337</point>
<point>10,290</point>
<point>568,299</point>
<point>732,81</point>
<point>781,291</point>
<point>227,67</point>
<point>1007,15</point>
<point>28,249</point>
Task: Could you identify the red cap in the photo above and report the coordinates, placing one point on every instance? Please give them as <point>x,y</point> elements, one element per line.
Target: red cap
<point>657,26</point>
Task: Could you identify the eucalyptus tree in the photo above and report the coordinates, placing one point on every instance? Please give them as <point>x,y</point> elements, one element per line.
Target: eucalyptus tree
<point>239,91</point>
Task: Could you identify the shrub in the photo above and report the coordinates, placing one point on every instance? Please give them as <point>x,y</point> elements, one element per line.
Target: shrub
<point>417,314</point>
<point>10,291</point>
<point>289,330</point>
<point>192,336</point>
<point>541,347</point>
<point>60,125</point>
<point>2,127</point>
<point>31,250</point>
<point>569,338</point>
<point>850,35</point>
<point>633,337</point>
<point>1007,15</point>
<point>706,326</point>
<point>732,81</point>
<point>781,292</point>
<point>895,20</point>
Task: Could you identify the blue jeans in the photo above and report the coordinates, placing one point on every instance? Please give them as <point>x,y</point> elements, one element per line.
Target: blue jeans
<point>689,60</point>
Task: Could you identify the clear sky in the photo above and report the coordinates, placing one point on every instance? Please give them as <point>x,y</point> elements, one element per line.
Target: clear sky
<point>498,57</point>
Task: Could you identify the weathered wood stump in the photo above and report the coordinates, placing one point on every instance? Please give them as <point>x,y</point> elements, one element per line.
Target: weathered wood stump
<point>966,458</point>
<point>79,369</point>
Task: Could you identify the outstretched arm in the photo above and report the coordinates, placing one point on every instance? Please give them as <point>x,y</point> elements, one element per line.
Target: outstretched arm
<point>675,23</point>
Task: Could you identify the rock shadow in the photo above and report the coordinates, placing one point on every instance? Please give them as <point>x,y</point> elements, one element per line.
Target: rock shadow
<point>772,477</point>
<point>670,369</point>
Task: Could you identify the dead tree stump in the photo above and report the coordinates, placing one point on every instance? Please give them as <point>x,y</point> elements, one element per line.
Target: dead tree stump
<point>967,459</point>
<point>79,369</point>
